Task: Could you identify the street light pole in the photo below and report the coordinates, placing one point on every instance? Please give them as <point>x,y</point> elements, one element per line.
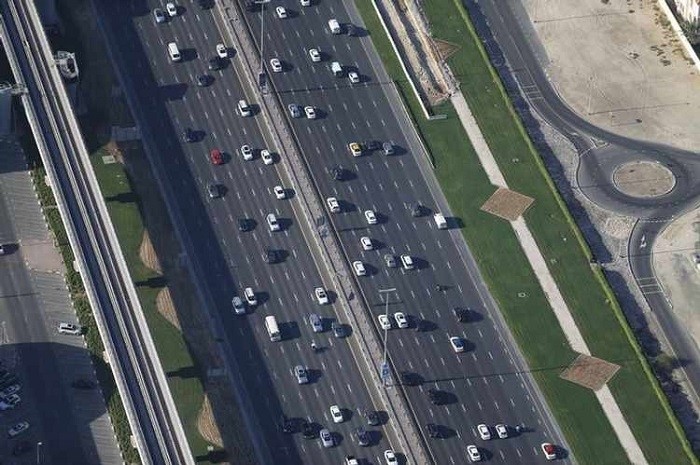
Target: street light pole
<point>385,368</point>
<point>38,452</point>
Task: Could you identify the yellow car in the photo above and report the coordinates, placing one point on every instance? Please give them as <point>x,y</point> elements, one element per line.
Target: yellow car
<point>355,149</point>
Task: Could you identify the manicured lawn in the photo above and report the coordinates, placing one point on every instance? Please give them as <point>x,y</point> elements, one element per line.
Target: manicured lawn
<point>506,269</point>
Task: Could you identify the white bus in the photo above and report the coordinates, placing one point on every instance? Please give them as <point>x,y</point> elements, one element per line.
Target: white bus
<point>272,329</point>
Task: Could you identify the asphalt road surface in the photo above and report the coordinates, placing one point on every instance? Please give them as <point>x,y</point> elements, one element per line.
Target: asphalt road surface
<point>484,384</point>
<point>481,385</point>
<point>170,101</point>
<point>508,37</point>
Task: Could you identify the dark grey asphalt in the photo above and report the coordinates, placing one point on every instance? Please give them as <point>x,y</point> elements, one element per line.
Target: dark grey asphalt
<point>511,41</point>
<point>168,101</point>
<point>484,384</point>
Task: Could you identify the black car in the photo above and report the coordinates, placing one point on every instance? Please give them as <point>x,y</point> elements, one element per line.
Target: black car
<point>286,425</point>
<point>204,4</point>
<point>416,210</point>
<point>337,173</point>
<point>372,417</point>
<point>362,436</point>
<point>338,329</point>
<point>351,29</point>
<point>203,80</point>
<point>188,135</point>
<point>372,145</point>
<point>245,224</point>
<point>21,447</point>
<point>214,191</point>
<point>420,325</point>
<point>214,64</point>
<point>410,379</point>
<point>434,430</point>
<point>83,384</point>
<point>271,256</point>
<point>436,397</point>
<point>462,314</point>
<point>308,430</point>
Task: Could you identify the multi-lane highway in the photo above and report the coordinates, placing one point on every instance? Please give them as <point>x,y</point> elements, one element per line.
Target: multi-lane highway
<point>485,384</point>
<point>508,34</point>
<point>168,101</point>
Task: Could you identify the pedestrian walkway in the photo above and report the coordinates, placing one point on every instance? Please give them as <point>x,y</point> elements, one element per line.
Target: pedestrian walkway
<point>549,286</point>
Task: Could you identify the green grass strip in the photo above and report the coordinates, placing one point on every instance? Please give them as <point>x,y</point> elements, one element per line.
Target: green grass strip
<point>506,269</point>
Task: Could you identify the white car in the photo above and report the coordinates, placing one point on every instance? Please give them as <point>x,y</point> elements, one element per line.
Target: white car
<point>384,322</point>
<point>473,452</point>
<point>336,414</point>
<point>69,328</point>
<point>272,222</point>
<point>310,112</point>
<point>407,262</point>
<point>359,268</point>
<point>315,55</point>
<point>366,243</point>
<point>484,432</point>
<point>401,320</point>
<point>18,429</point>
<point>355,149</point>
<point>457,344</point>
<point>221,51</point>
<point>159,15</point>
<point>266,157</point>
<point>326,438</point>
<point>371,217</point>
<point>390,457</point>
<point>321,295</point>
<point>305,2</point>
<point>171,9</point>
<point>238,305</point>
<point>281,12</point>
<point>250,297</point>
<point>354,77</point>
<point>247,152</point>
<point>276,65</point>
<point>280,193</point>
<point>549,451</point>
<point>502,431</point>
<point>333,204</point>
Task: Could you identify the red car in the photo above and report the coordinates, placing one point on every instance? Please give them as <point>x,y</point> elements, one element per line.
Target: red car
<point>217,157</point>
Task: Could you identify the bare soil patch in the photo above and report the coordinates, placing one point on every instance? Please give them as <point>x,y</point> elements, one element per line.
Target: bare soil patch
<point>206,425</point>
<point>589,372</point>
<point>166,307</point>
<point>148,254</point>
<point>507,204</point>
<point>644,179</point>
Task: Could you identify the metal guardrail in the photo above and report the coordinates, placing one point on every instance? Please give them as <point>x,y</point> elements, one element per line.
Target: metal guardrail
<point>130,350</point>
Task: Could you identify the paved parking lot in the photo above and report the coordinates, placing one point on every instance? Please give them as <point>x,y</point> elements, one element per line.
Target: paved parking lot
<point>68,425</point>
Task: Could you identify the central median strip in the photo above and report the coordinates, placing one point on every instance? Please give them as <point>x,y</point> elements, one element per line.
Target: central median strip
<point>507,271</point>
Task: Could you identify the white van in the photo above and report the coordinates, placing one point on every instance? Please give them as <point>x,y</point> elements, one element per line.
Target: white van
<point>337,69</point>
<point>440,221</point>
<point>174,52</point>
<point>334,26</point>
<point>272,329</point>
<point>407,262</point>
<point>243,108</point>
<point>272,222</point>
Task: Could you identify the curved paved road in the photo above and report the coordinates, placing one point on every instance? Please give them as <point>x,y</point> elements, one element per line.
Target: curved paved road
<point>507,32</point>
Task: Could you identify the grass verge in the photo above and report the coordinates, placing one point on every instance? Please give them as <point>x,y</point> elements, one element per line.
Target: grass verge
<point>506,269</point>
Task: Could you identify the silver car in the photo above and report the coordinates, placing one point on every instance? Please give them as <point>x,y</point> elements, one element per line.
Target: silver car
<point>294,110</point>
<point>301,374</point>
<point>326,438</point>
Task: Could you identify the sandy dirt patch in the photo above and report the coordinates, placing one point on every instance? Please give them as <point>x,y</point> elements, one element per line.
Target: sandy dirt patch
<point>507,204</point>
<point>148,254</point>
<point>626,73</point>
<point>589,372</point>
<point>644,179</point>
<point>207,426</point>
<point>166,307</point>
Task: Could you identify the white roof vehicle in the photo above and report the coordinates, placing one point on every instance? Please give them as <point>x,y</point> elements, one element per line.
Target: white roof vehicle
<point>333,204</point>
<point>315,55</point>
<point>159,15</point>
<point>384,322</point>
<point>354,77</point>
<point>221,51</point>
<point>371,217</point>
<point>457,345</point>
<point>359,268</point>
<point>171,8</point>
<point>321,295</point>
<point>502,431</point>
<point>272,222</point>
<point>484,432</point>
<point>281,12</point>
<point>366,243</point>
<point>266,157</point>
<point>250,297</point>
<point>276,65</point>
<point>407,262</point>
<point>238,305</point>
<point>305,2</point>
<point>310,112</point>
<point>280,193</point>
<point>401,320</point>
<point>69,328</point>
<point>473,452</point>
<point>334,26</point>
<point>247,152</point>
<point>390,457</point>
<point>337,414</point>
